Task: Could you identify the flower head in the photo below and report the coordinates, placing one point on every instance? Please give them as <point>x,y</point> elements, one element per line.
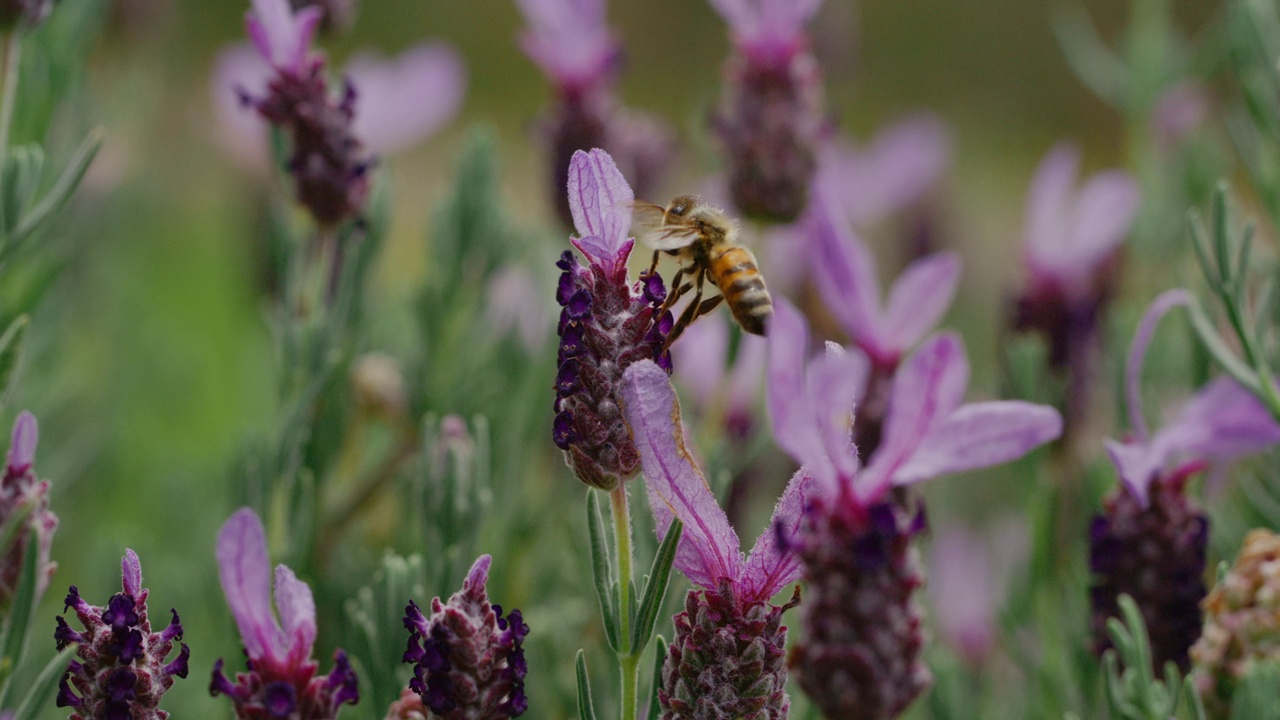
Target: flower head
<point>1150,540</point>
<point>21,488</point>
<point>282,676</point>
<point>727,656</point>
<point>606,324</point>
<point>570,41</point>
<point>768,29</point>
<point>121,670</point>
<point>281,35</point>
<point>467,658</point>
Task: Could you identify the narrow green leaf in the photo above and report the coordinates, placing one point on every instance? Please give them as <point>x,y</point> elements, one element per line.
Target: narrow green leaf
<point>42,689</point>
<point>586,707</point>
<point>1221,233</point>
<point>655,588</point>
<point>602,571</point>
<point>12,525</point>
<point>10,348</point>
<point>62,189</point>
<point>1222,354</point>
<point>24,600</point>
<point>659,657</point>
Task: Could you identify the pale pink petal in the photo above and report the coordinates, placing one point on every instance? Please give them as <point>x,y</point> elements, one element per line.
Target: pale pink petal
<point>791,407</point>
<point>477,576</point>
<point>22,445</point>
<point>980,435</point>
<point>927,388</point>
<point>246,579</point>
<point>241,130</point>
<point>1136,464</point>
<point>1103,213</point>
<point>297,613</point>
<point>131,573</point>
<point>920,297</point>
<point>747,374</point>
<point>1160,307</point>
<point>835,381</point>
<point>699,359</point>
<point>600,201</point>
<point>709,549</point>
<point>402,101</point>
<point>961,591</point>
<point>845,274</point>
<point>568,39</point>
<point>1049,202</point>
<point>772,564</point>
<point>282,36</point>
<point>902,163</point>
<point>1232,422</point>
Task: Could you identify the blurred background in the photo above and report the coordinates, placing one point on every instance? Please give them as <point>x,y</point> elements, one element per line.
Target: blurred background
<point>150,361</point>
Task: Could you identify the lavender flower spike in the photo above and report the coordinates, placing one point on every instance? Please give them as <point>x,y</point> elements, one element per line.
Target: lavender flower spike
<point>20,487</point>
<point>727,658</point>
<point>607,323</point>
<point>772,117</point>
<point>120,670</point>
<point>1150,540</point>
<point>467,658</point>
<point>860,656</point>
<point>281,680</point>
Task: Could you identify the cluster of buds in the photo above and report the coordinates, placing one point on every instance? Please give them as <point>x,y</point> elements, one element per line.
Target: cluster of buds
<point>281,681</point>
<point>607,324</point>
<point>772,118</point>
<point>728,656</point>
<point>1241,630</point>
<point>467,658</point>
<point>1150,540</point>
<point>572,44</point>
<point>860,654</point>
<point>329,168</point>
<point>120,670</point>
<point>21,490</point>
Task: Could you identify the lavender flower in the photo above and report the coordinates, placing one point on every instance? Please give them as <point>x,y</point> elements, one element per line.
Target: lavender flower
<point>772,118</point>
<point>572,44</point>
<point>467,658</point>
<point>860,656</point>
<point>22,488</point>
<point>1149,541</point>
<point>121,670</point>
<point>844,271</point>
<point>968,575</point>
<point>281,680</point>
<point>727,658</point>
<point>1072,242</point>
<point>607,324</point>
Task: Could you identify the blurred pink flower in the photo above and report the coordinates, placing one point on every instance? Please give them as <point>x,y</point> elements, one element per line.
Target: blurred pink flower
<point>1178,112</point>
<point>963,591</point>
<point>515,305</point>
<point>701,361</point>
<point>569,40</point>
<point>281,36</point>
<point>771,29</point>
<point>399,101</point>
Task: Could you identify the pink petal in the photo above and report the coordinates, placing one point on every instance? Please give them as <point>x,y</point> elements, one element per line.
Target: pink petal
<point>1102,216</point>
<point>22,445</point>
<point>1048,205</point>
<point>772,565</point>
<point>928,387</point>
<point>709,549</point>
<point>747,375</point>
<point>845,274</point>
<point>246,579</point>
<point>902,163</point>
<point>477,576</point>
<point>401,101</point>
<point>961,591</point>
<point>980,435</point>
<point>131,573</point>
<point>790,406</point>
<point>920,297</point>
<point>834,383</point>
<point>1159,307</point>
<point>1137,464</point>
<point>241,130</point>
<point>297,614</point>
<point>700,358</point>
<point>568,39</point>
<point>600,201</point>
<point>282,37</point>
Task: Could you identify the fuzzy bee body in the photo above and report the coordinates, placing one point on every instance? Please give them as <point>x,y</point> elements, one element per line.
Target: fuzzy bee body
<point>705,241</point>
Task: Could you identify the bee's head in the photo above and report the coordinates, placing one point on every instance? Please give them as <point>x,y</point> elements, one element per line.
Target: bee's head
<point>681,206</point>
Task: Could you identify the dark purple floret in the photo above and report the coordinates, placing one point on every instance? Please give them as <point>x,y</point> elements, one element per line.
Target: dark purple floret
<point>1156,555</point>
<point>121,670</point>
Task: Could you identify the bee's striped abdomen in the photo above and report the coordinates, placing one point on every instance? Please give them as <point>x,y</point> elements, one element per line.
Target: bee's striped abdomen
<point>735,272</point>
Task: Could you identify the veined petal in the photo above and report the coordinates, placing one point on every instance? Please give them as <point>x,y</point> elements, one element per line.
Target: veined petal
<point>772,565</point>
<point>246,579</point>
<point>22,444</point>
<point>131,573</point>
<point>600,201</point>
<point>402,100</point>
<point>297,613</point>
<point>845,274</point>
<point>709,548</point>
<point>920,297</point>
<point>928,387</point>
<point>980,435</point>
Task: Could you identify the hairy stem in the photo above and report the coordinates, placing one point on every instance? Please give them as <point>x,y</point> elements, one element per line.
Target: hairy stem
<point>627,660</point>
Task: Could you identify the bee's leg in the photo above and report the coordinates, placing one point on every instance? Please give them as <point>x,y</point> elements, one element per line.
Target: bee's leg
<point>709,304</point>
<point>677,291</point>
<point>691,313</point>
<point>653,266</point>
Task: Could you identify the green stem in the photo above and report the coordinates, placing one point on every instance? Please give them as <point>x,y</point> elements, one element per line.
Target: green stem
<point>12,49</point>
<point>627,660</point>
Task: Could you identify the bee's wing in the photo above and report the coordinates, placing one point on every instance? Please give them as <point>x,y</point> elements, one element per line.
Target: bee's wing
<point>649,225</point>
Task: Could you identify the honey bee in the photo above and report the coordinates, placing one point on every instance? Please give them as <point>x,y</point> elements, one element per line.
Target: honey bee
<point>706,242</point>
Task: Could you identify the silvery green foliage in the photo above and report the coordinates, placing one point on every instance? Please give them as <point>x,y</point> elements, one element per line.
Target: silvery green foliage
<point>376,615</point>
